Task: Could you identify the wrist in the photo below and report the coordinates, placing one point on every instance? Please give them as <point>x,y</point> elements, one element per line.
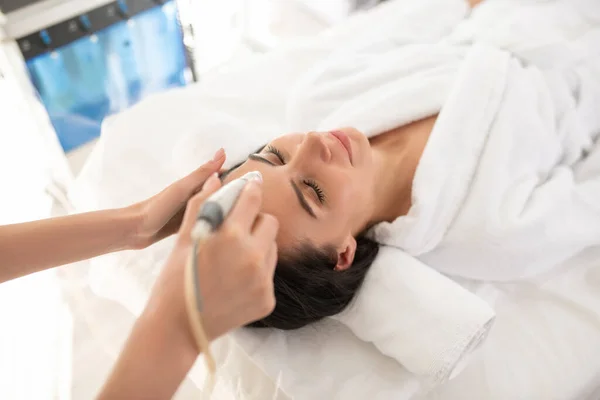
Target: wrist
<point>121,224</point>
<point>131,219</point>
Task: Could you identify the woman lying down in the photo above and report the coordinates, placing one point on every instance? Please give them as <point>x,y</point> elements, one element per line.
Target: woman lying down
<point>326,189</point>
<point>482,163</point>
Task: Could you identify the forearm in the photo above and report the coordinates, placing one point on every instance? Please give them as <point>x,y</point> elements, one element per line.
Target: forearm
<point>155,360</point>
<point>34,246</point>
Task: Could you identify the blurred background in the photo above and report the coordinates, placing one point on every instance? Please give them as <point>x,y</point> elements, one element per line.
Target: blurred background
<point>65,65</point>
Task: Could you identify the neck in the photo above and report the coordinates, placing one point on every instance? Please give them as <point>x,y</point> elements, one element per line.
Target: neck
<point>396,155</point>
<point>393,186</point>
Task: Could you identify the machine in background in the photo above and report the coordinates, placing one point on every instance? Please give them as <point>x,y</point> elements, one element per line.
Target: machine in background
<point>88,59</point>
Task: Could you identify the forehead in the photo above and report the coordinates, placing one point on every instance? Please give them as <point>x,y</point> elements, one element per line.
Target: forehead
<point>287,142</point>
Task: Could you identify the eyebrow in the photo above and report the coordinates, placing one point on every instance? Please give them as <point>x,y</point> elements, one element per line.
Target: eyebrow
<point>297,191</point>
<point>302,199</point>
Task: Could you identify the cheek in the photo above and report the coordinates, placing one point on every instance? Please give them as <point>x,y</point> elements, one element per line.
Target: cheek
<point>346,190</point>
<point>352,194</point>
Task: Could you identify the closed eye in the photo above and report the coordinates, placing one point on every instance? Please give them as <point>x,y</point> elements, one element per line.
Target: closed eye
<point>278,154</point>
<point>299,195</point>
<point>269,150</point>
<point>315,187</point>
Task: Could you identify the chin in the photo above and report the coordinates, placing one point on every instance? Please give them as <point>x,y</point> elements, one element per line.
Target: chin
<point>359,139</point>
<point>357,136</point>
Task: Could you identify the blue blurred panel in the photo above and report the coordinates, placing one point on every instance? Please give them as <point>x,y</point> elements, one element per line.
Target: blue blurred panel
<point>162,60</point>
<point>83,82</point>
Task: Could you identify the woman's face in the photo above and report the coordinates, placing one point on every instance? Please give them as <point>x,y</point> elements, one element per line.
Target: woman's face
<point>319,187</point>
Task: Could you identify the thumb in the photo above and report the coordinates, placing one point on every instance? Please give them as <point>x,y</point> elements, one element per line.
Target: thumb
<point>193,206</point>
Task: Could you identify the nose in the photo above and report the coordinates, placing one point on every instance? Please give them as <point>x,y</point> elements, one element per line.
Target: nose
<point>314,147</point>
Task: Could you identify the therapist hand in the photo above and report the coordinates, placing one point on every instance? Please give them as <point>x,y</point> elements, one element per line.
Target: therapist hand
<point>235,269</point>
<point>235,266</point>
<point>160,216</point>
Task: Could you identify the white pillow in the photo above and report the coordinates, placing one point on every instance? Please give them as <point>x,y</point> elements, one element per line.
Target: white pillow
<point>419,317</point>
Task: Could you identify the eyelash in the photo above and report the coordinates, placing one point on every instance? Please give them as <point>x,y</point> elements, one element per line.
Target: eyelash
<point>274,150</point>
<point>316,188</point>
<point>308,182</point>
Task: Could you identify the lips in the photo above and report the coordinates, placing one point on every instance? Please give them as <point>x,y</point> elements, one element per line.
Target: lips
<point>345,141</point>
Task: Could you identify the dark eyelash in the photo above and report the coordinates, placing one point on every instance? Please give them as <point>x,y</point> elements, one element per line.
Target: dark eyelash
<point>274,150</point>
<point>316,188</point>
<point>308,182</point>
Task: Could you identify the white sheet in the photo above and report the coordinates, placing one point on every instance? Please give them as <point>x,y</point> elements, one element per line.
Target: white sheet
<point>546,342</point>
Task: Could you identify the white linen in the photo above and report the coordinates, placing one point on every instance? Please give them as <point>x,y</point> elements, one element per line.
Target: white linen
<point>530,347</point>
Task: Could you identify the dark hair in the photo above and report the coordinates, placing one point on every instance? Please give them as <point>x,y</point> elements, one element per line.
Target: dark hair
<point>307,286</point>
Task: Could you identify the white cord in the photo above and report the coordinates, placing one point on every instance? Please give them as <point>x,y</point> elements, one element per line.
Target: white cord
<point>194,305</point>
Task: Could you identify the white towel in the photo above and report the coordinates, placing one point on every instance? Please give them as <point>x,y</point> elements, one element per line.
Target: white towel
<point>417,316</point>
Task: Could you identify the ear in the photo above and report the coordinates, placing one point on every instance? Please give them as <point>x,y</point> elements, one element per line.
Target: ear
<point>346,254</point>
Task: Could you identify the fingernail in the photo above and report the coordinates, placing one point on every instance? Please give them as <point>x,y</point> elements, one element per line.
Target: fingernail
<point>256,177</point>
<point>254,182</point>
<point>220,153</point>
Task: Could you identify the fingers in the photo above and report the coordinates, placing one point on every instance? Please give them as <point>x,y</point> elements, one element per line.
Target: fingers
<point>193,182</point>
<point>212,185</point>
<point>247,207</point>
<point>264,234</point>
<point>265,230</point>
<point>271,261</point>
<point>179,192</point>
<point>168,202</point>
